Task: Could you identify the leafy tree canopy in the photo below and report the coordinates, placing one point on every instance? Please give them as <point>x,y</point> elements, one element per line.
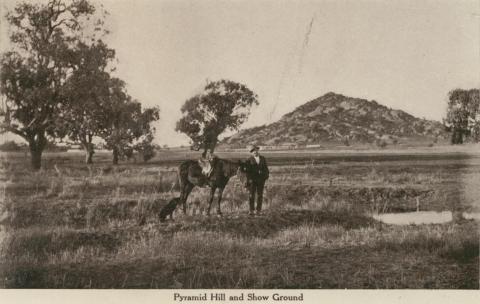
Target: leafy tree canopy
<point>44,39</point>
<point>84,94</point>
<point>463,115</point>
<point>126,126</point>
<point>223,105</point>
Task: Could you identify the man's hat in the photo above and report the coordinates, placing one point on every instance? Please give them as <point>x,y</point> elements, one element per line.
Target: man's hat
<point>253,147</point>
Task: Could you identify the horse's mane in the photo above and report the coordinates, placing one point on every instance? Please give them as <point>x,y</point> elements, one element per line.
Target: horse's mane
<point>228,167</point>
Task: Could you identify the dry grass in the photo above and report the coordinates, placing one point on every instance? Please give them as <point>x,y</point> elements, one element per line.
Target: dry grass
<point>71,226</point>
<point>223,260</point>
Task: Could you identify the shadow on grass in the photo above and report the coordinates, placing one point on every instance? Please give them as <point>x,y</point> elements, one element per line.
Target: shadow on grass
<point>268,224</point>
<point>430,256</point>
<point>353,267</point>
<point>41,244</point>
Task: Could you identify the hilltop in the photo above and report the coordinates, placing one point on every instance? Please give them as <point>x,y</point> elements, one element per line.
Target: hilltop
<point>334,118</point>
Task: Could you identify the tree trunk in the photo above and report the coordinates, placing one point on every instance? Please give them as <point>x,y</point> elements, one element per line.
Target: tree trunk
<point>89,149</point>
<point>36,144</point>
<point>115,155</point>
<point>89,157</point>
<point>457,216</point>
<point>457,136</point>
<point>36,158</point>
<point>210,145</point>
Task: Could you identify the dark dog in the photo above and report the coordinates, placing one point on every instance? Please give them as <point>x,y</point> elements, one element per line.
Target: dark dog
<point>168,209</point>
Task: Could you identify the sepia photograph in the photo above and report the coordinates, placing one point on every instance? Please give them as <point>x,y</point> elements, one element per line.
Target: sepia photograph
<point>244,146</point>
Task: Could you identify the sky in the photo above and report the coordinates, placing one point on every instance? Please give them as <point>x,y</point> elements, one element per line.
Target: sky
<point>404,54</point>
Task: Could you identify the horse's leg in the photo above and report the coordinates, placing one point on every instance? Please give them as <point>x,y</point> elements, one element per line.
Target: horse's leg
<point>184,195</point>
<point>212,194</point>
<point>220,192</point>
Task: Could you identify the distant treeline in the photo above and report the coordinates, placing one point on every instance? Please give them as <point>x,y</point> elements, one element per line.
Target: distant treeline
<point>12,146</point>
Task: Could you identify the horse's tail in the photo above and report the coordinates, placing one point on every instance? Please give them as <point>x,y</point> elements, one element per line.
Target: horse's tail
<point>176,184</point>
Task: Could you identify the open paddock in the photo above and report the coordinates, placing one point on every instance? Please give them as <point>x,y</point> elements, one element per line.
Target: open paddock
<point>76,226</point>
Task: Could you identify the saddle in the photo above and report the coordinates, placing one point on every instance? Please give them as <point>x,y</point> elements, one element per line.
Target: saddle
<point>206,166</point>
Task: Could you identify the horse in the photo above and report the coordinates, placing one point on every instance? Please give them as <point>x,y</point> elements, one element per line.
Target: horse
<point>190,175</point>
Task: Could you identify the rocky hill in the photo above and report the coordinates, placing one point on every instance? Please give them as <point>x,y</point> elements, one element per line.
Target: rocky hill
<point>334,118</point>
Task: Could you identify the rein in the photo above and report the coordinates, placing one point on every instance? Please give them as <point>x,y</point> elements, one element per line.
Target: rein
<point>232,167</point>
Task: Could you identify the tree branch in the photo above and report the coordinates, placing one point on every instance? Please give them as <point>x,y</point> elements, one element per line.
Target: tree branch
<point>53,26</point>
<point>9,128</point>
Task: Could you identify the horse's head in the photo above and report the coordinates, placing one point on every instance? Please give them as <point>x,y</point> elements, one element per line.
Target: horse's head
<point>242,171</point>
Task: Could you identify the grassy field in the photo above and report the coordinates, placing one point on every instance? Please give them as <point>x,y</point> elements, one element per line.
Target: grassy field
<point>73,226</point>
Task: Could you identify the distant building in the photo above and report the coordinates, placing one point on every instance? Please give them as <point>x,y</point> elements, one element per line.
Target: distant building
<point>287,146</point>
<point>267,147</point>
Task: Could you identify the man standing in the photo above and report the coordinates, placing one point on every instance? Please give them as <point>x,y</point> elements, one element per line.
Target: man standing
<point>257,175</point>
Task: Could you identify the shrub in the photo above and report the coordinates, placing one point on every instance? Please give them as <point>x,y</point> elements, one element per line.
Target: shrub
<point>381,143</point>
<point>146,150</point>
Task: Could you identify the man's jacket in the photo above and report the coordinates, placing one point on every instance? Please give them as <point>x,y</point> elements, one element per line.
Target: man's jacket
<point>257,172</point>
